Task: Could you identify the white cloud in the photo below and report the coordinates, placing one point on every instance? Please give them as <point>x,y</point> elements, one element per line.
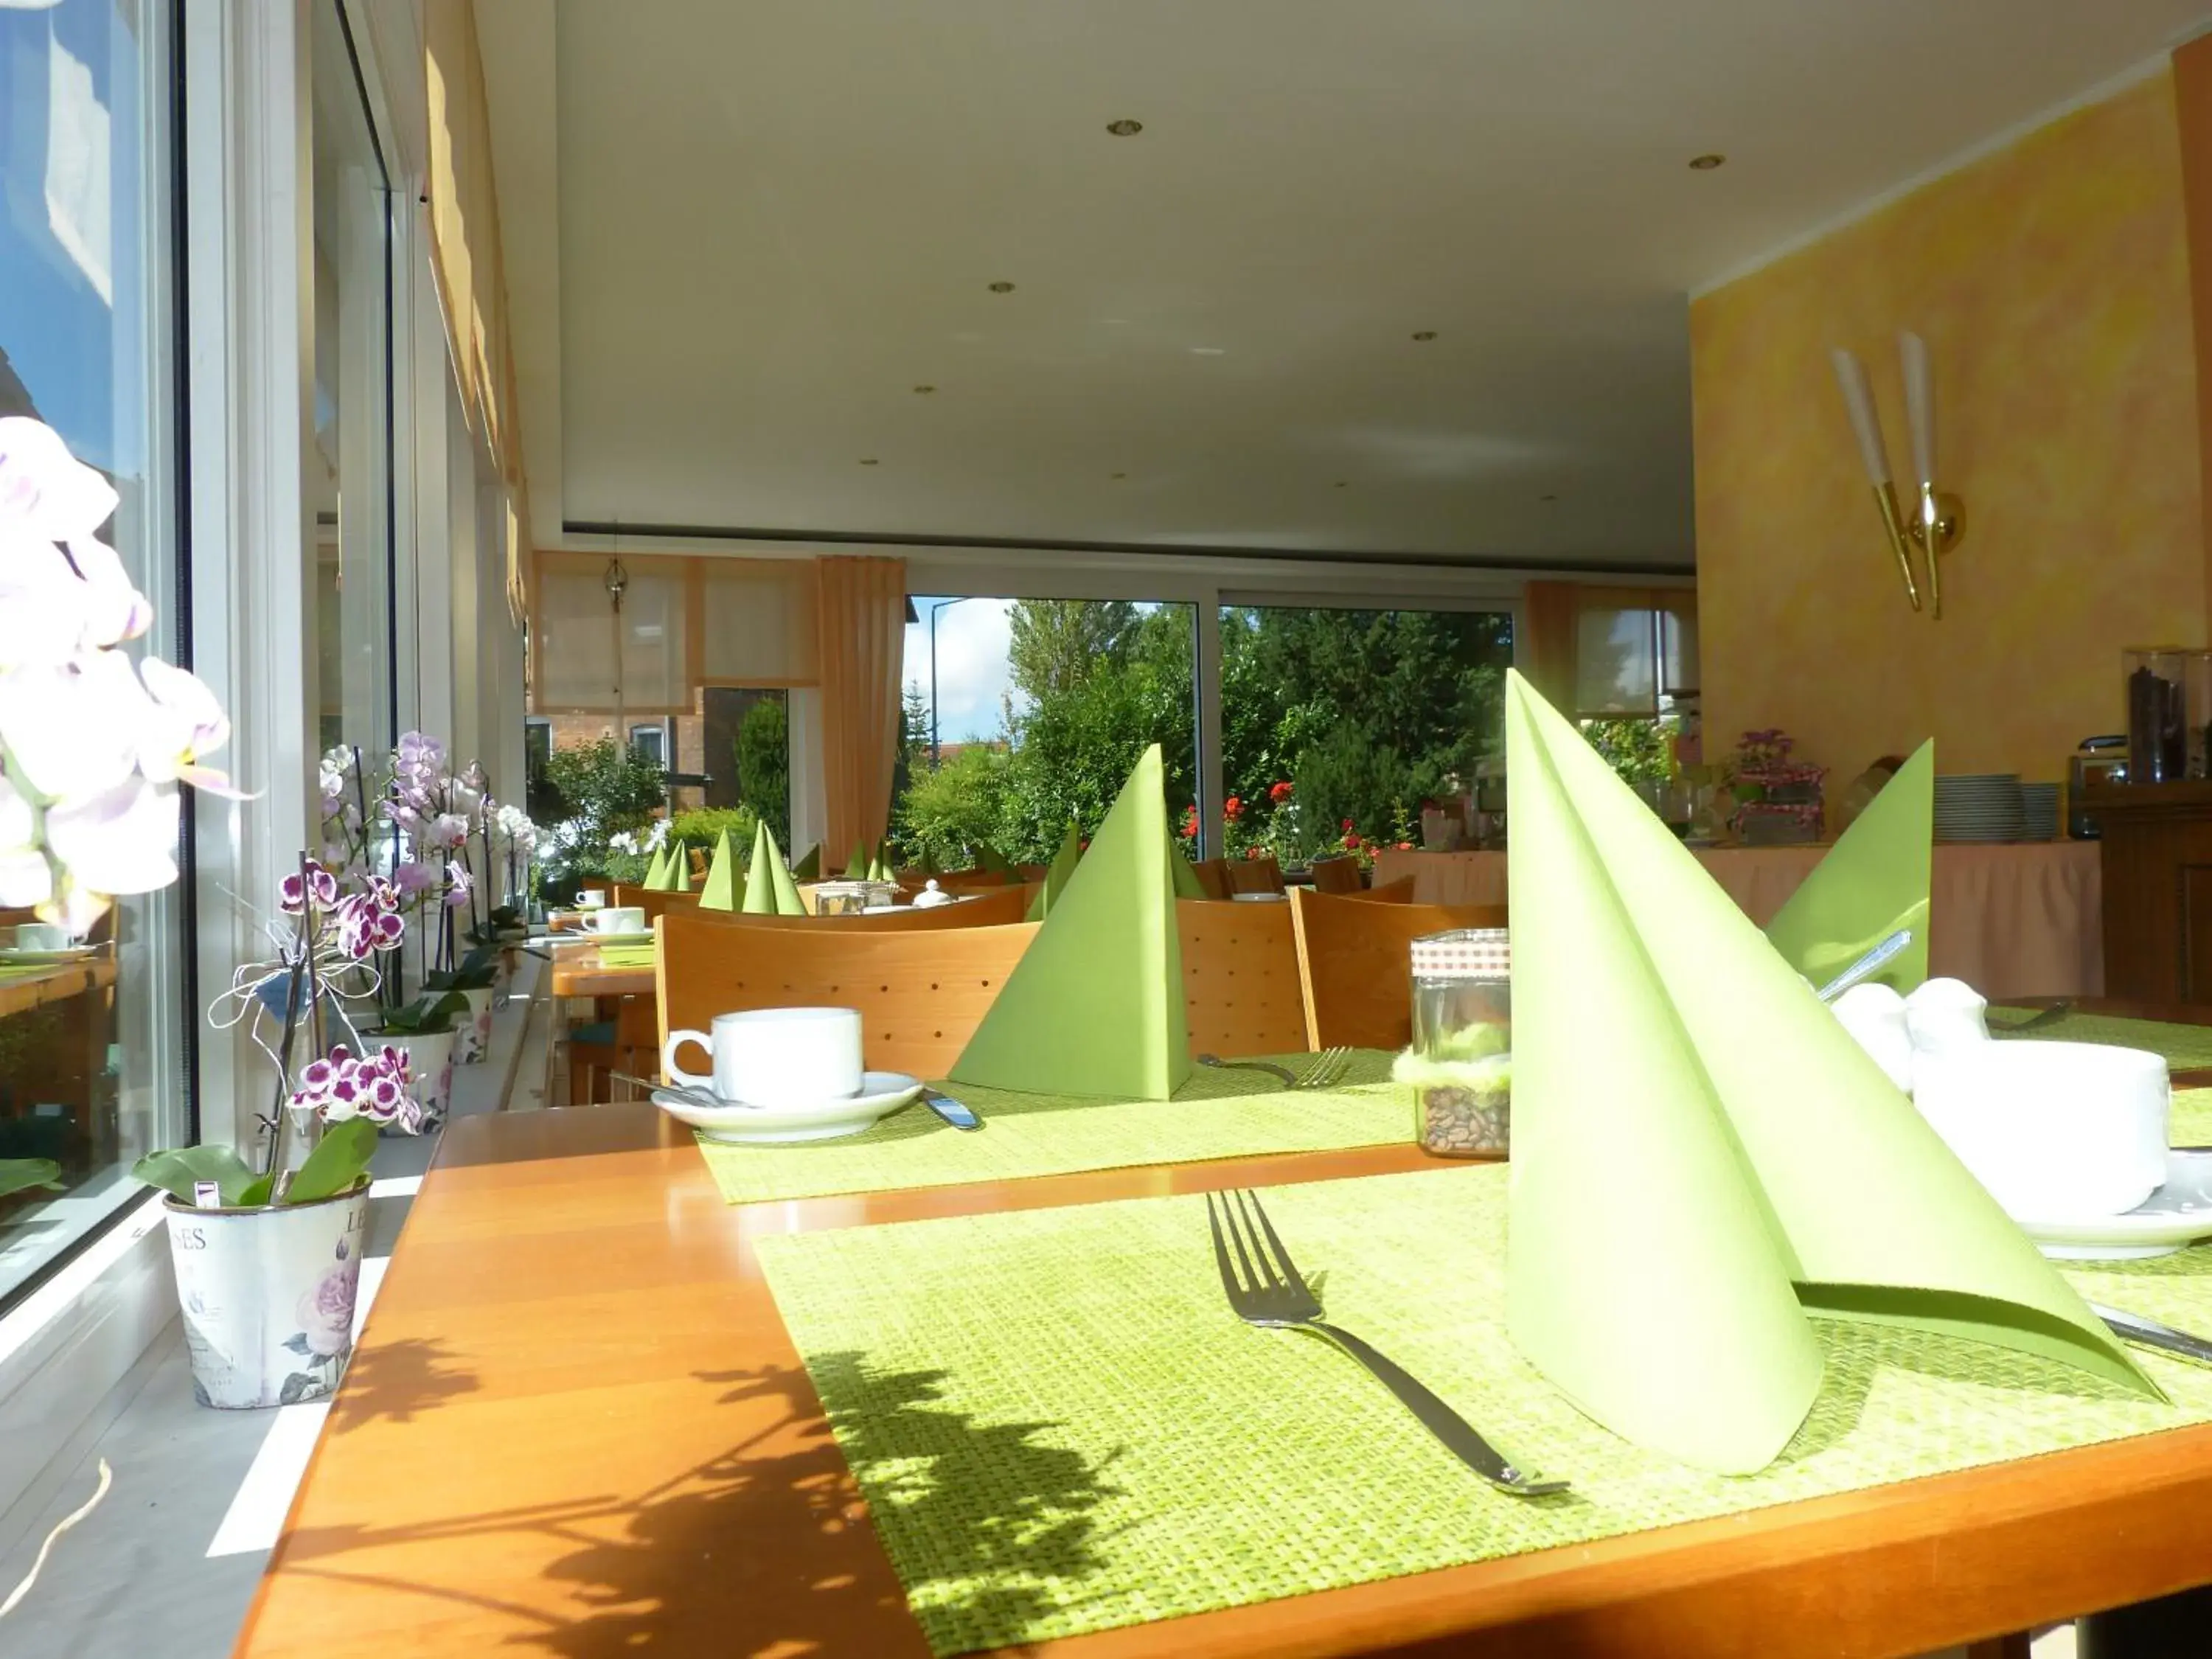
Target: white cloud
<point>972,641</point>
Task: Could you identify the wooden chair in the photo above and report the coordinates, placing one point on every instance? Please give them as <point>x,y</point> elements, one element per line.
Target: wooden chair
<point>1355,965</point>
<point>989,906</point>
<point>1337,875</point>
<point>1213,877</point>
<point>1399,891</point>
<point>635,1045</point>
<point>1242,993</point>
<point>920,995</point>
<point>1259,875</point>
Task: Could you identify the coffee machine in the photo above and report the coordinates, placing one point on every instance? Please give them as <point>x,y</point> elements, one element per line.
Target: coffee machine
<point>2098,761</point>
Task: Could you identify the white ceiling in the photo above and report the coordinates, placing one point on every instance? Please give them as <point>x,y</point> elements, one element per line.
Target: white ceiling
<point>738,235</point>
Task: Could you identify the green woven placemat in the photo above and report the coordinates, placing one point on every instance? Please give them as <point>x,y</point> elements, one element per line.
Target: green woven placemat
<point>1060,1427</point>
<point>2185,1047</point>
<point>1217,1114</point>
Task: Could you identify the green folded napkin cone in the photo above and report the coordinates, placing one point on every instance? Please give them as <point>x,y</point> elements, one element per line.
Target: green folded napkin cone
<point>720,892</point>
<point>1677,1086</point>
<point>679,869</point>
<point>1872,882</point>
<point>769,889</point>
<point>656,873</point>
<point>810,867</point>
<point>1095,1007</point>
<point>1055,877</point>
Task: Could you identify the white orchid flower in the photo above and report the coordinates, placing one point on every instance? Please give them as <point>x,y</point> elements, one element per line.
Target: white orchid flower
<point>26,878</point>
<point>122,839</point>
<point>72,730</point>
<point>46,490</point>
<point>185,721</point>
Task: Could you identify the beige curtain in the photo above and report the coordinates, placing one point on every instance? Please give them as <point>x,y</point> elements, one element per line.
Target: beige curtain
<point>860,629</point>
<point>1610,650</point>
<point>465,259</point>
<point>1550,613</point>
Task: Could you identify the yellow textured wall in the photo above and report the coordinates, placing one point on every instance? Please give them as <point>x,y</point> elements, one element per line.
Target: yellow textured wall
<point>2050,281</point>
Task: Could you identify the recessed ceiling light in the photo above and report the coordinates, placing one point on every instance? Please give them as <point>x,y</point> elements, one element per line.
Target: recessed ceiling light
<point>1002,288</point>
<point>867,460</point>
<point>1706,163</point>
<point>1426,334</point>
<point>1125,128</point>
<point>1206,351</point>
<point>925,390</point>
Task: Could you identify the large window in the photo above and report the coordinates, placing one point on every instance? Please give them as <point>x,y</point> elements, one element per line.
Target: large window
<point>1023,716</point>
<point>349,463</point>
<point>1337,724</point>
<point>92,1046</point>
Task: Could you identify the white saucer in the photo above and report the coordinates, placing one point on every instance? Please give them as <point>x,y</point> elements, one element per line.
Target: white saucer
<point>881,1094</point>
<point>2178,1213</point>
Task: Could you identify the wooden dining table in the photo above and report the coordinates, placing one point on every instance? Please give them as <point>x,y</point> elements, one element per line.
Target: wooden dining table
<point>576,1425</point>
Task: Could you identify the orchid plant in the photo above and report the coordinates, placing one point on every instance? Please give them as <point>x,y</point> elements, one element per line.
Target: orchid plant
<point>93,746</point>
<point>327,952</point>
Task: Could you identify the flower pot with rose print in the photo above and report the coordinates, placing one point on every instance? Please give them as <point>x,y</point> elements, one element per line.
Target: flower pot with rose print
<point>267,1266</point>
<point>268,1297</point>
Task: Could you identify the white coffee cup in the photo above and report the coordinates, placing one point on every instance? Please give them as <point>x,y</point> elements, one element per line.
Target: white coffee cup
<point>41,936</point>
<point>616,919</point>
<point>2055,1131</point>
<point>590,898</point>
<point>1875,1015</point>
<point>775,1056</point>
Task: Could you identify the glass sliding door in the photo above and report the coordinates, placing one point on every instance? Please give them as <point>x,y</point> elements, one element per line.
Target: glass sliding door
<point>1023,715</point>
<point>92,1051</point>
<point>1337,723</point>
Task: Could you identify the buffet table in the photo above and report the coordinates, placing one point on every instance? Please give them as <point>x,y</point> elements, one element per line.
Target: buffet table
<point>2012,920</point>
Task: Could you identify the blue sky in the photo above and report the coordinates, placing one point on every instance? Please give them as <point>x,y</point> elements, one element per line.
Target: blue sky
<point>972,637</point>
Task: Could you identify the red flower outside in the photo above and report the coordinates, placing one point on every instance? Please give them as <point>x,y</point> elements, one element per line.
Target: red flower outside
<point>1232,809</point>
<point>1280,793</point>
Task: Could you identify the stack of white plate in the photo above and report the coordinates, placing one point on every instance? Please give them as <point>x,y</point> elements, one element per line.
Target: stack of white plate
<point>1979,806</point>
<point>2040,804</point>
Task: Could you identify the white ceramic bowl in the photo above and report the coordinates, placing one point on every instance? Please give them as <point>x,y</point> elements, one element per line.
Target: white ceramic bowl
<point>2052,1129</point>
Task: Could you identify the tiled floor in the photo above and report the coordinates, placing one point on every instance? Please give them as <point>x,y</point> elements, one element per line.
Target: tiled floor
<point>168,1563</point>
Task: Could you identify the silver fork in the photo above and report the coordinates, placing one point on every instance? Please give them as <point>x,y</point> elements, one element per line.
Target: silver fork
<point>1326,1069</point>
<point>1264,1288</point>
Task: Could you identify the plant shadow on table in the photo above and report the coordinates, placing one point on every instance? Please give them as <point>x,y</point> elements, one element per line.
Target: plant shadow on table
<point>770,1548</point>
<point>397,1380</point>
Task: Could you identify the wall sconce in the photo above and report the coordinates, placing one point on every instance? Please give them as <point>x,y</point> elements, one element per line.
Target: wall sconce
<point>1938,520</point>
<point>615,580</point>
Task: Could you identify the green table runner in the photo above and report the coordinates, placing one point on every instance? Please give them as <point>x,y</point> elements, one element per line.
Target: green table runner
<point>2185,1047</point>
<point>1217,1114</point>
<point>1060,1428</point>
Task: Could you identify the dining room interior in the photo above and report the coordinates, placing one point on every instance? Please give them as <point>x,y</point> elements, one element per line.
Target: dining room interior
<point>776,784</point>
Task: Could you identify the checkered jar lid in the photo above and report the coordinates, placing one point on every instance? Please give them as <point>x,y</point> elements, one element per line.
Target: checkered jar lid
<point>1464,953</point>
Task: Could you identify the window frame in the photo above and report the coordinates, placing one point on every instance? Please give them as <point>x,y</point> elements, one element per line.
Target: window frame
<point>166,574</point>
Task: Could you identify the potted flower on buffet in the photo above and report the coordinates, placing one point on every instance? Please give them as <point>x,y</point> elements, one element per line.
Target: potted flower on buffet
<point>268,1260</point>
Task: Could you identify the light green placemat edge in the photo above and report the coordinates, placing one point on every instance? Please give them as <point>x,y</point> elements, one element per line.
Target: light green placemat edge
<point>1059,1428</point>
<point>1215,1114</point>
<point>2184,1047</point>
